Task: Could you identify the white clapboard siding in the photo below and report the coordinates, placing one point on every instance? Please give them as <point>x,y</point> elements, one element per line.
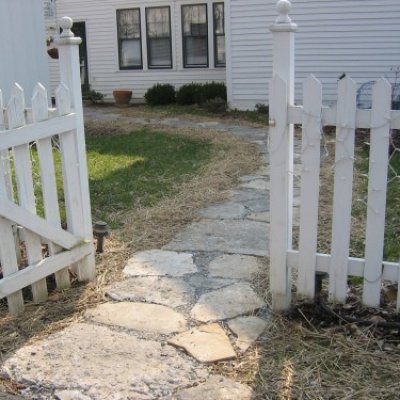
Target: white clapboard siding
<point>358,37</point>
<point>343,188</point>
<point>377,186</point>
<point>310,161</point>
<point>279,207</point>
<point>48,177</point>
<point>102,47</point>
<point>26,195</point>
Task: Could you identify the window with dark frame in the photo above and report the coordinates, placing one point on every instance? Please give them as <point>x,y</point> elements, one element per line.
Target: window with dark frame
<point>219,35</point>
<point>158,31</point>
<point>195,35</point>
<point>129,39</point>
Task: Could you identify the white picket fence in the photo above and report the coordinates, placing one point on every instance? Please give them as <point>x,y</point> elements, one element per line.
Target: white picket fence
<point>312,115</point>
<point>46,246</point>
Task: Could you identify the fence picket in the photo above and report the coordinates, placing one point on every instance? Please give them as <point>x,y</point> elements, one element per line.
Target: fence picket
<point>343,188</point>
<point>311,140</point>
<point>25,189</point>
<point>69,159</point>
<point>377,186</point>
<point>280,214</point>
<point>40,113</point>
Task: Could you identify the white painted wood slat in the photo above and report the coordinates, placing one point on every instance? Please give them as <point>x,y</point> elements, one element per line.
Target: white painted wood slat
<point>377,187</point>
<point>32,132</point>
<point>279,204</point>
<point>43,268</point>
<point>343,188</point>
<point>40,113</point>
<point>37,225</point>
<point>310,161</point>
<point>26,195</point>
<point>71,177</point>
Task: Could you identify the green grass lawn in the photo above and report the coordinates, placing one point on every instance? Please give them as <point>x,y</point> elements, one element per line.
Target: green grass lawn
<point>139,168</point>
<point>128,170</point>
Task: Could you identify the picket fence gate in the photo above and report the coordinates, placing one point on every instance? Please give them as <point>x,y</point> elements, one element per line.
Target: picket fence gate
<point>48,247</point>
<point>312,116</point>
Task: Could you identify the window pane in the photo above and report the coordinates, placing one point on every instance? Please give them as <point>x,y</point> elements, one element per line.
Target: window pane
<point>160,52</point>
<point>131,54</point>
<point>128,24</point>
<point>194,20</point>
<point>220,50</point>
<point>219,19</point>
<point>158,37</point>
<point>195,35</point>
<point>158,24</point>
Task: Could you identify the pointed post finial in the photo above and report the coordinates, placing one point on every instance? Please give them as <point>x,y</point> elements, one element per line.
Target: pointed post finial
<point>66,25</point>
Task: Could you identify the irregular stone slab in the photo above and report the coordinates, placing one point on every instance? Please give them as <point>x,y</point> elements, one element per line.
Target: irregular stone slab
<point>204,282</point>
<point>151,318</point>
<point>261,216</point>
<point>228,302</point>
<point>224,211</point>
<point>258,184</point>
<point>249,178</point>
<point>103,364</point>
<point>159,263</point>
<point>207,343</point>
<point>228,236</point>
<point>217,387</point>
<point>236,266</point>
<point>247,330</point>
<point>70,395</point>
<point>172,292</point>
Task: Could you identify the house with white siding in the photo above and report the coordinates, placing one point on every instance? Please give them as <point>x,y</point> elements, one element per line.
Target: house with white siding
<point>133,44</point>
<point>22,46</point>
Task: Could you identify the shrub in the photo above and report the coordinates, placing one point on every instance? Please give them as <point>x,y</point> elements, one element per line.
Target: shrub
<point>262,108</point>
<point>160,94</point>
<point>187,94</point>
<point>216,105</point>
<point>93,96</point>
<point>211,91</point>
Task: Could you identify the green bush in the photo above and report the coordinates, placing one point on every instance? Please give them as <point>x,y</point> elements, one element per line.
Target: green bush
<point>160,94</point>
<point>216,105</point>
<point>210,91</point>
<point>93,96</point>
<point>187,94</point>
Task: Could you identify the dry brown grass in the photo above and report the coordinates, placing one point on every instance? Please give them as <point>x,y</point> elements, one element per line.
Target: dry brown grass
<point>144,228</point>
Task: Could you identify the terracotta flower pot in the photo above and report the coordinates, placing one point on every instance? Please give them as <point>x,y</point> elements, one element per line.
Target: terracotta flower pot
<point>122,97</point>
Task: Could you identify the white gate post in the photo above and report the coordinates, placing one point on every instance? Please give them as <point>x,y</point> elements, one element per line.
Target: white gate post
<point>281,155</point>
<point>68,49</point>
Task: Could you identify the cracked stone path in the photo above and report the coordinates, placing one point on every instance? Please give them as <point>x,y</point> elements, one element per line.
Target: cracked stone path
<point>178,309</point>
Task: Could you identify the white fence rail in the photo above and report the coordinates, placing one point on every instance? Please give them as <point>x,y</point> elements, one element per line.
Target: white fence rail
<point>312,116</point>
<point>33,242</point>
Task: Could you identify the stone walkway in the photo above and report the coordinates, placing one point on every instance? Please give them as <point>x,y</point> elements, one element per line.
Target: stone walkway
<point>179,308</point>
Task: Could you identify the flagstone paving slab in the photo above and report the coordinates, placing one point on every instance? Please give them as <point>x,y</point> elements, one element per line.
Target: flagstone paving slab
<point>217,387</point>
<point>160,263</point>
<point>247,330</point>
<point>259,184</point>
<point>228,302</point>
<point>206,343</point>
<point>144,317</point>
<point>228,236</point>
<point>224,211</point>
<point>235,266</point>
<point>172,292</point>
<point>261,216</point>
<point>103,364</point>
<point>204,282</point>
